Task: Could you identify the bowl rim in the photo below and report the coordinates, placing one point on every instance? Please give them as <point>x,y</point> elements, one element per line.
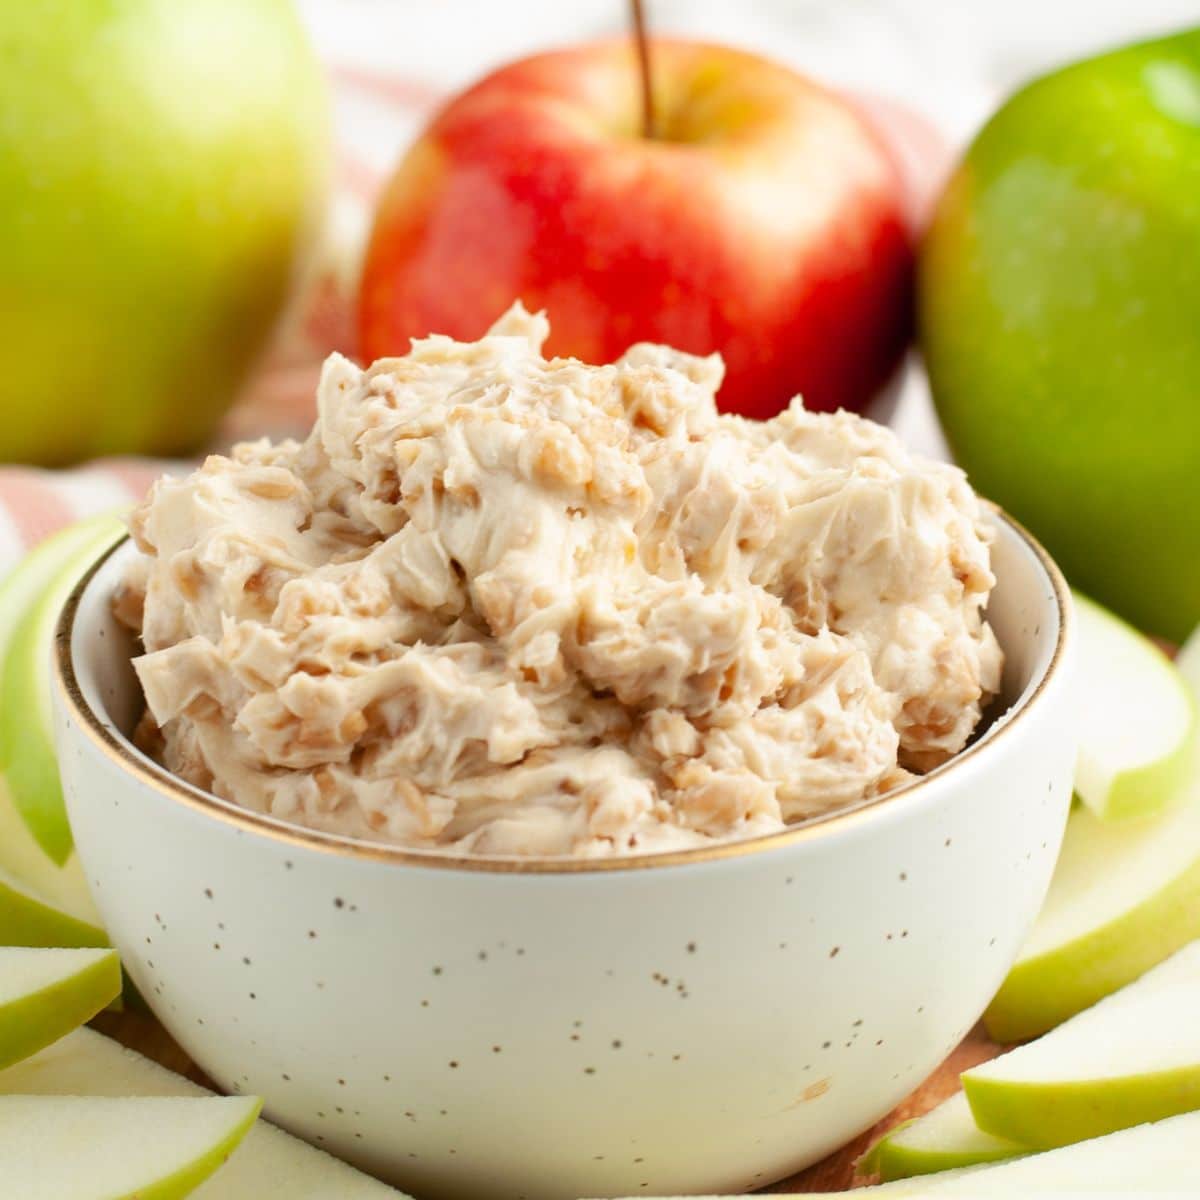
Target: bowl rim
<point>117,747</point>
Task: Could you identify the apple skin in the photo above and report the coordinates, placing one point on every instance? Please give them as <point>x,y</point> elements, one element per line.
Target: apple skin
<point>162,167</point>
<point>767,222</point>
<point>1058,293</point>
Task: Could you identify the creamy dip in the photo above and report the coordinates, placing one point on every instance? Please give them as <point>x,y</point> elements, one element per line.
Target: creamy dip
<point>500,604</point>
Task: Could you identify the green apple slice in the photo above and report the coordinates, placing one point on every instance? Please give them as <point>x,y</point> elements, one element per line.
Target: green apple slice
<point>44,994</point>
<point>1139,1161</point>
<point>100,1148</point>
<point>1123,898</point>
<point>27,758</point>
<point>1148,1160</point>
<point>1132,1058</point>
<point>20,855</point>
<point>946,1137</point>
<point>269,1163</point>
<point>28,920</point>
<point>1187,663</point>
<point>1137,718</point>
<point>1158,1159</point>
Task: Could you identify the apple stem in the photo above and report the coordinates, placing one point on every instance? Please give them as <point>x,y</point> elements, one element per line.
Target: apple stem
<point>643,51</point>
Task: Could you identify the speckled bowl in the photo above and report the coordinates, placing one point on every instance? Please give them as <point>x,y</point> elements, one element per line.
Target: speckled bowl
<point>701,1021</point>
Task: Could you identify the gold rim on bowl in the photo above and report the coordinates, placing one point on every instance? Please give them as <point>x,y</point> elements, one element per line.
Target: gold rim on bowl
<point>128,757</point>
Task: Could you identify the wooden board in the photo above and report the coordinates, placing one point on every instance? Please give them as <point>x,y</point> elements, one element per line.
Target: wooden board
<point>143,1033</point>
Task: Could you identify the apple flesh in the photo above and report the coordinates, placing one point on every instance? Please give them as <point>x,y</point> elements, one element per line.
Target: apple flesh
<point>1133,1058</point>
<point>1137,718</point>
<point>163,171</point>
<point>1123,898</point>
<point>945,1138</point>
<point>269,1162</point>
<point>27,757</point>
<point>98,1148</point>
<point>765,221</point>
<point>44,994</point>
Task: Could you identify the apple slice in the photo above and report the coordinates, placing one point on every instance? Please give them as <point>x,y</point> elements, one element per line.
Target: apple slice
<point>946,1137</point>
<point>28,920</point>
<point>44,994</point>
<point>1147,1160</point>
<point>98,1148</point>
<point>1123,898</point>
<point>1137,718</point>
<point>20,855</point>
<point>269,1163</point>
<point>27,758</point>
<point>1139,1161</point>
<point>1133,1058</point>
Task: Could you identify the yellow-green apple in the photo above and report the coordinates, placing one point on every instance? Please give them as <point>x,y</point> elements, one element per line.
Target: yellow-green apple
<point>944,1139</point>
<point>269,1162</point>
<point>44,994</point>
<point>1133,1057</point>
<point>162,166</point>
<point>100,1148</point>
<point>1136,718</point>
<point>765,220</point>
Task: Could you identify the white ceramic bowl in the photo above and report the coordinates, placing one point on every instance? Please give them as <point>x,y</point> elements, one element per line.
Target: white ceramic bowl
<point>710,1020</point>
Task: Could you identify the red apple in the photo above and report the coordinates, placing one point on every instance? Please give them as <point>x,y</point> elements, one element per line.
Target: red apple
<point>766,220</point>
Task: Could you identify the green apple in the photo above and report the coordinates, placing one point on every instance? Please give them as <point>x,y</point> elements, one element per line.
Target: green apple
<point>73,548</point>
<point>28,920</point>
<point>1134,1057</point>
<point>1057,295</point>
<point>163,169</point>
<point>1137,718</point>
<point>1123,898</point>
<point>946,1137</point>
<point>100,1148</point>
<point>44,994</point>
<point>269,1163</point>
<point>27,757</point>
